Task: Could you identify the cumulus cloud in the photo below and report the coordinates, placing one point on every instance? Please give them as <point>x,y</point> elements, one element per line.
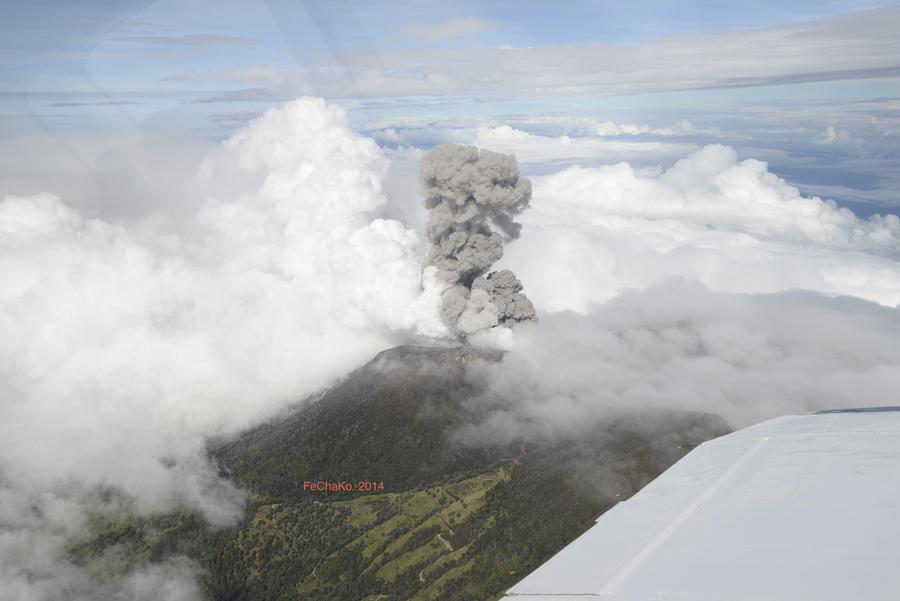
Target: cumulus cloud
<point>731,225</point>
<point>122,349</point>
<point>835,137</point>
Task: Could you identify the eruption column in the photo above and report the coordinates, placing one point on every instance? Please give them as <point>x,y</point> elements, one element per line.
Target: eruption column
<point>472,199</point>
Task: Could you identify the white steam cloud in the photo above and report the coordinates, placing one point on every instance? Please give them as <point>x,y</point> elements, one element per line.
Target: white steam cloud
<point>122,350</point>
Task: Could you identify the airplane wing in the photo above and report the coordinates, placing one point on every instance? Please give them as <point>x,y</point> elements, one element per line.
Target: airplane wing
<point>799,508</point>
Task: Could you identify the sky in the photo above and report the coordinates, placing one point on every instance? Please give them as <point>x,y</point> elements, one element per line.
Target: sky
<point>811,87</point>
<point>212,212</point>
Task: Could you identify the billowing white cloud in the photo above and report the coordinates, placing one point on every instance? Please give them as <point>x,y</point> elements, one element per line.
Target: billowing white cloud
<point>123,349</point>
<point>729,224</point>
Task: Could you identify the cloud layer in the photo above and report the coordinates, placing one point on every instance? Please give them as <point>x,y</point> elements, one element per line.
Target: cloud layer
<point>731,225</point>
<point>857,45</point>
<point>678,345</point>
<point>127,341</point>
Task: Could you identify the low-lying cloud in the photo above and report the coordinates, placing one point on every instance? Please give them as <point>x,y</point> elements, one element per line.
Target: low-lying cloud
<point>679,345</point>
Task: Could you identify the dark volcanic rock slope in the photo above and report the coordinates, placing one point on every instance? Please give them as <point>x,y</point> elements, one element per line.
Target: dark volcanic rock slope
<point>386,422</point>
<point>453,522</point>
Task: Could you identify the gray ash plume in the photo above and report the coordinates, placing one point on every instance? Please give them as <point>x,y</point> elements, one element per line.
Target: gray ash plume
<point>472,199</point>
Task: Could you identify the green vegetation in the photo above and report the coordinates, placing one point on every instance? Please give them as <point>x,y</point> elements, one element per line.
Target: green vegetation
<point>123,539</point>
<point>377,544</point>
<point>455,523</point>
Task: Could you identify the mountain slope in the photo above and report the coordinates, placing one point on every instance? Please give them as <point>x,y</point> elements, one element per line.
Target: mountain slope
<point>386,422</point>
<point>454,522</point>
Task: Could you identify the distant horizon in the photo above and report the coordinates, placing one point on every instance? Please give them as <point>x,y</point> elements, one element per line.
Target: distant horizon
<point>817,97</point>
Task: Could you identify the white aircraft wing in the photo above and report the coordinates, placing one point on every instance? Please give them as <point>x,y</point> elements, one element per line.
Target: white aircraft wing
<point>799,508</point>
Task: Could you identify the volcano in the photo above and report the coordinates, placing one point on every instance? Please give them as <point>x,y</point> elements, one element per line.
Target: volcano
<point>368,492</point>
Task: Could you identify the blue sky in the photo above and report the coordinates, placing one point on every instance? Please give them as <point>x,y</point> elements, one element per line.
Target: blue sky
<point>116,47</point>
<point>769,78</point>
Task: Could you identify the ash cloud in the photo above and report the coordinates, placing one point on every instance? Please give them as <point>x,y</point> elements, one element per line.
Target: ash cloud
<point>473,198</point>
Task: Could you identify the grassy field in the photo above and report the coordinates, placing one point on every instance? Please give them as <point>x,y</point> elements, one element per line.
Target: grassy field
<point>392,541</point>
